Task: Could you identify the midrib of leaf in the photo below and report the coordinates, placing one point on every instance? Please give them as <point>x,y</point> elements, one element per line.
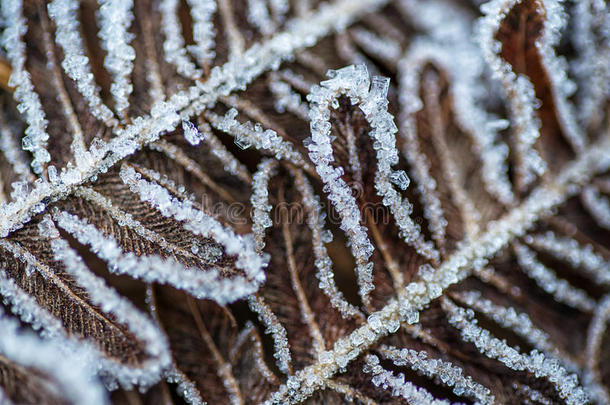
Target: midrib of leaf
<point>471,256</point>
<point>301,33</point>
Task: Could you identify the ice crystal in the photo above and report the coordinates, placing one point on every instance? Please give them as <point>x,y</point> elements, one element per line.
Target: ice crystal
<point>192,135</point>
<point>397,384</point>
<point>260,201</point>
<point>598,206</point>
<point>449,374</point>
<point>202,12</point>
<point>152,268</point>
<point>258,15</point>
<point>175,51</point>
<point>534,362</point>
<point>346,188</point>
<point>519,90</point>
<point>116,306</point>
<point>242,246</point>
<point>75,63</point>
<point>562,291</point>
<point>115,19</point>
<point>581,257</point>
<point>36,137</point>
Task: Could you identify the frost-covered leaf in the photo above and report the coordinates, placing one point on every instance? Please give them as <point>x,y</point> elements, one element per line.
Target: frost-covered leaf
<point>368,201</point>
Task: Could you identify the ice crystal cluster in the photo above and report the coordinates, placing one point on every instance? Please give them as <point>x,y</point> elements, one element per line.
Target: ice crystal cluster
<point>304,201</point>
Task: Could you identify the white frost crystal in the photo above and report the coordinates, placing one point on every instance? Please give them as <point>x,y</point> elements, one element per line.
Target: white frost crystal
<point>191,133</point>
<point>36,137</point>
<point>354,83</point>
<point>277,331</point>
<point>562,87</point>
<point>75,62</point>
<point>595,335</point>
<point>520,94</point>
<point>445,372</point>
<point>598,205</point>
<point>279,8</point>
<point>470,257</point>
<point>115,18</point>
<point>397,385</point>
<point>463,62</point>
<point>546,279</point>
<point>202,284</point>
<point>242,246</point>
<point>260,201</point>
<point>535,362</point>
<point>426,184</point>
<point>174,50</point>
<point>258,15</point>
<point>320,236</point>
<point>591,68</point>
<point>185,387</point>
<point>584,258</point>
<point>447,46</point>
<point>286,99</point>
<point>236,74</point>
<point>253,134</point>
<point>14,155</point>
<point>384,48</point>
<point>202,12</point>
<point>518,322</point>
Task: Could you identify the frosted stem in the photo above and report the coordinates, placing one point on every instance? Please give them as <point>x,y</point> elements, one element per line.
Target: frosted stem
<point>555,20</point>
<point>353,82</point>
<point>535,362</point>
<point>258,16</point>
<point>75,62</point>
<point>398,386</point>
<point>320,236</point>
<point>471,257</point>
<point>441,371</point>
<point>242,246</point>
<point>174,50</point>
<point>115,18</point>
<point>277,331</point>
<point>518,322</point>
<point>597,205</point>
<point>202,12</point>
<point>201,283</point>
<point>252,134</point>
<point>36,137</point>
<point>78,146</point>
<point>260,201</point>
<point>519,91</point>
<point>568,250</point>
<point>410,103</point>
<point>166,115</point>
<point>547,280</point>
